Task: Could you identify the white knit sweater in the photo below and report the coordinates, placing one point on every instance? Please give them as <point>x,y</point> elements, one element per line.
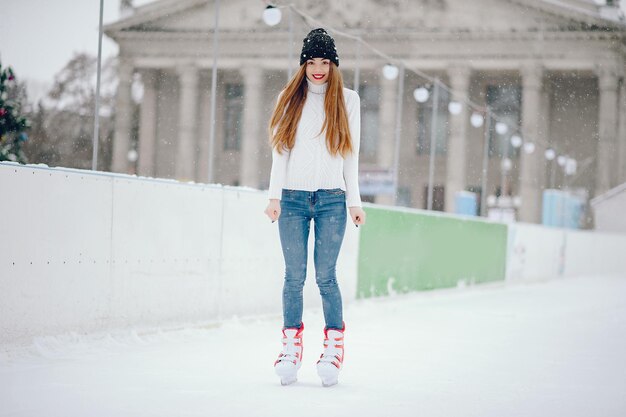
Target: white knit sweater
<point>309,166</point>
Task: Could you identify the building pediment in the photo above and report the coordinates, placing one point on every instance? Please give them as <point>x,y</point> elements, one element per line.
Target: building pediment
<point>370,15</point>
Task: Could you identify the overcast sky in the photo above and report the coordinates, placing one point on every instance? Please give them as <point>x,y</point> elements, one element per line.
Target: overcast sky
<point>38,37</point>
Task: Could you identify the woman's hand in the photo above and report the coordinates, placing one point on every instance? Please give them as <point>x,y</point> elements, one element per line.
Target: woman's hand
<point>358,215</point>
<point>273,210</point>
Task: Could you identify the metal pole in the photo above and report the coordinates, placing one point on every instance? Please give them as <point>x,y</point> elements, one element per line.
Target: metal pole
<point>564,197</point>
<point>290,71</point>
<point>357,69</point>
<point>503,176</point>
<point>396,155</point>
<point>552,173</point>
<point>213,91</point>
<point>433,135</point>
<point>483,186</point>
<point>96,116</point>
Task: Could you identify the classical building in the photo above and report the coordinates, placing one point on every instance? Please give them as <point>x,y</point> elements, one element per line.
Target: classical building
<point>553,71</point>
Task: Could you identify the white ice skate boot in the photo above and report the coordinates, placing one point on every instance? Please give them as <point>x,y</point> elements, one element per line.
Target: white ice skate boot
<point>290,359</point>
<point>331,361</point>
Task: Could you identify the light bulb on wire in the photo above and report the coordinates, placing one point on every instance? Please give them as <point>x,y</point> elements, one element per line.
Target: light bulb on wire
<point>272,15</point>
<point>454,107</point>
<point>477,119</point>
<point>390,72</point>
<point>420,94</point>
<point>501,128</point>
<point>516,141</point>
<point>570,166</point>
<point>529,147</point>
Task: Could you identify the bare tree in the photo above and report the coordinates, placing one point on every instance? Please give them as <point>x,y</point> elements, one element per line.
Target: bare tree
<point>62,123</point>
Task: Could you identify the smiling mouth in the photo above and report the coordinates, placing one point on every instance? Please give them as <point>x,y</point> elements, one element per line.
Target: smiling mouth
<point>318,76</point>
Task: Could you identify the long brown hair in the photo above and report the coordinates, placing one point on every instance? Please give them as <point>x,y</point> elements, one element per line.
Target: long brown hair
<point>289,110</point>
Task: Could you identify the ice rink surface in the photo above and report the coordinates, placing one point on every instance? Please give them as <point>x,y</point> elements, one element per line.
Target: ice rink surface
<point>549,348</point>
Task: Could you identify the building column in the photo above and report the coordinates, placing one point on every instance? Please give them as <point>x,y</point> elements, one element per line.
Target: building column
<point>386,130</point>
<point>621,136</point>
<point>531,165</point>
<point>252,135</point>
<point>607,126</point>
<point>123,118</point>
<point>459,76</point>
<point>544,133</point>
<point>204,127</point>
<point>185,152</point>
<point>147,124</point>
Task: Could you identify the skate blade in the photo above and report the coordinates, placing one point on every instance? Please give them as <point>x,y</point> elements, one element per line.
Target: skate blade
<point>288,374</point>
<point>329,383</point>
<point>328,374</point>
<point>287,381</point>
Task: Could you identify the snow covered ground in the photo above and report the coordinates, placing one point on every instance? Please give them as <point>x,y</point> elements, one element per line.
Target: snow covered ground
<point>552,348</point>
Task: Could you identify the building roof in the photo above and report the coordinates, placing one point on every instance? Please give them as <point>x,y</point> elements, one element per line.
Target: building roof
<point>581,11</point>
<point>609,194</point>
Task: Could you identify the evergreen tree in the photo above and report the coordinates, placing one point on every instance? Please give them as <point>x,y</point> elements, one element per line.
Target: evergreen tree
<point>13,124</point>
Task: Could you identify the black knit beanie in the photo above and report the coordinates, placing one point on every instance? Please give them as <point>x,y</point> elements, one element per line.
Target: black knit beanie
<point>319,44</point>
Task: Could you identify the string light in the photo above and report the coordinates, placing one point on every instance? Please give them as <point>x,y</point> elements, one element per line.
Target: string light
<point>421,94</point>
<point>477,119</point>
<point>272,15</point>
<point>390,71</point>
<point>454,107</point>
<point>501,128</point>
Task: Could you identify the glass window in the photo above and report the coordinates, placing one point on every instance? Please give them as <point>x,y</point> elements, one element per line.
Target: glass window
<point>424,122</point>
<point>369,119</point>
<point>439,194</point>
<point>233,113</point>
<point>505,102</point>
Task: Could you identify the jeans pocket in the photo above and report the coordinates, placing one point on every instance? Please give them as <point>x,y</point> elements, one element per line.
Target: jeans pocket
<point>335,191</point>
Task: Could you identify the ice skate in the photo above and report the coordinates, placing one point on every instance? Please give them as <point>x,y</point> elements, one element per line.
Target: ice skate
<point>290,359</point>
<point>331,361</point>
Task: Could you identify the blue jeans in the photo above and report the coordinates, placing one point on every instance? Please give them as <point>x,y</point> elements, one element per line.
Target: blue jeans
<point>327,207</point>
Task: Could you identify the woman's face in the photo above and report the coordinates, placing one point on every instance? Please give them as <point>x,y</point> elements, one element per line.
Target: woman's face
<point>317,70</point>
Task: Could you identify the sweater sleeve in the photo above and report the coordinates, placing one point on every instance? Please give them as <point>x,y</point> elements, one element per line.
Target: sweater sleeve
<point>278,174</point>
<point>351,161</point>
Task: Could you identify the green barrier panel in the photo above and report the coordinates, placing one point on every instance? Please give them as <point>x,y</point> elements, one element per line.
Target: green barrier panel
<point>404,251</point>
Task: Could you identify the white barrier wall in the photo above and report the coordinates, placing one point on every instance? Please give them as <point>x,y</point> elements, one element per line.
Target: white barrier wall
<point>539,252</point>
<point>534,252</point>
<point>597,253</point>
<point>88,251</point>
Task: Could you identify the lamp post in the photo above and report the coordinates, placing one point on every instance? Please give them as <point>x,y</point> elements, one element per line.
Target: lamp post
<point>502,129</point>
<point>290,49</point>
<point>483,186</point>
<point>357,69</point>
<point>433,137</point>
<point>550,154</point>
<point>213,90</point>
<point>96,124</point>
<point>396,156</point>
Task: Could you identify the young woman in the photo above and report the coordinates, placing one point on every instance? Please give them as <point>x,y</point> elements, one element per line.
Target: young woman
<point>315,137</point>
